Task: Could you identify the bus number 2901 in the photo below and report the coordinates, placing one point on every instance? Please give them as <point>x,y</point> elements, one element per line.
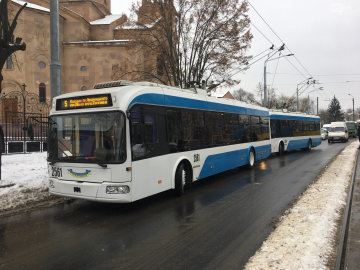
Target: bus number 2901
<point>56,172</point>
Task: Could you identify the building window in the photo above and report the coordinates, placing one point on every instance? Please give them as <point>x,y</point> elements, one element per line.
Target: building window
<point>42,92</point>
<point>115,67</point>
<point>83,88</point>
<point>42,64</point>
<point>9,63</point>
<point>83,69</point>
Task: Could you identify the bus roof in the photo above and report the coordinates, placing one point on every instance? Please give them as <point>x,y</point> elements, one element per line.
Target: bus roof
<point>275,114</point>
<point>127,95</point>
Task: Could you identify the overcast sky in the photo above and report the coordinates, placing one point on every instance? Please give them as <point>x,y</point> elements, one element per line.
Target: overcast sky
<point>324,36</point>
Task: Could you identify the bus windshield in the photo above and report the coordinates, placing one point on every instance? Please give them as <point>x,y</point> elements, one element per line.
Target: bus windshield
<point>351,125</point>
<point>87,137</point>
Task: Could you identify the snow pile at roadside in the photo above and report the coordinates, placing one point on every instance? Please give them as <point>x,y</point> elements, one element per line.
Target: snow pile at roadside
<point>305,235</point>
<point>29,173</point>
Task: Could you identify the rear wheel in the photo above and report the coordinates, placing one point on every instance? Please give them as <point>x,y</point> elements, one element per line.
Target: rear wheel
<point>251,158</point>
<point>281,149</point>
<point>309,145</point>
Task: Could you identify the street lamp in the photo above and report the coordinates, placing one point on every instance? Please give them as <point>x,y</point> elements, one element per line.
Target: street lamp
<point>353,107</point>
<point>265,63</point>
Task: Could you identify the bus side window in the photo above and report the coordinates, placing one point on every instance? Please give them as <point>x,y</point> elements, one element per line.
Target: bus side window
<point>255,128</point>
<point>148,138</point>
<point>174,131</point>
<point>264,121</point>
<point>137,133</point>
<point>244,128</point>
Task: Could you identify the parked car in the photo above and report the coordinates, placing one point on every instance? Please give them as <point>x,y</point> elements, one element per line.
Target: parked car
<point>352,128</point>
<point>324,133</point>
<point>338,132</point>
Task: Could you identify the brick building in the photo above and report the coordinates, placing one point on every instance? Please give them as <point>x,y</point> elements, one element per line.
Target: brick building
<point>94,47</point>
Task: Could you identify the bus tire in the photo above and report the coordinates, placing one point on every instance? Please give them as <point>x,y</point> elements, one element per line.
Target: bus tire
<point>251,158</point>
<point>308,148</point>
<point>183,179</point>
<point>281,149</point>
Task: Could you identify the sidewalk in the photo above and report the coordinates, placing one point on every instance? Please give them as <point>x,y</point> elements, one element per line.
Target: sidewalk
<point>352,261</point>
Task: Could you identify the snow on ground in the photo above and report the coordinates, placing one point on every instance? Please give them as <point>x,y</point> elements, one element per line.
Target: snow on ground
<point>305,237</point>
<point>29,174</point>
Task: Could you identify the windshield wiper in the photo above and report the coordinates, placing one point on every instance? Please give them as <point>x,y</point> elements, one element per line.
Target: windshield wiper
<point>101,163</point>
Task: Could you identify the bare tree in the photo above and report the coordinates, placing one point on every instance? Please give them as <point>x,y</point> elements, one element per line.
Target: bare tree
<point>8,44</point>
<point>193,40</point>
<point>242,95</point>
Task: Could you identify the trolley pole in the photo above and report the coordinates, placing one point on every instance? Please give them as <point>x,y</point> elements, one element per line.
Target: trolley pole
<point>55,66</point>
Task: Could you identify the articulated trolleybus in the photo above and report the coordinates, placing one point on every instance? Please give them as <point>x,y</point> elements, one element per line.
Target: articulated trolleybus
<point>125,141</point>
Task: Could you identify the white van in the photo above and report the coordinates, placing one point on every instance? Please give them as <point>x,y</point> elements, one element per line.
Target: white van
<point>338,132</point>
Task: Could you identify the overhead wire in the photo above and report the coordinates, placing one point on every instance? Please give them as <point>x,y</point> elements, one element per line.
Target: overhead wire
<point>277,64</point>
<point>272,30</point>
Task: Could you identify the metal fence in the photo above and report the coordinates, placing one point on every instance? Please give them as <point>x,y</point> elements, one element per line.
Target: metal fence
<point>24,122</point>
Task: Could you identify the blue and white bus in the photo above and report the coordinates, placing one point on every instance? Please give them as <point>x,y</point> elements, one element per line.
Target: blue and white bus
<point>125,141</point>
<point>291,131</point>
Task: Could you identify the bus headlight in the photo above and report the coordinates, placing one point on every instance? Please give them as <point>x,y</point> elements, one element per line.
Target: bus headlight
<point>117,189</point>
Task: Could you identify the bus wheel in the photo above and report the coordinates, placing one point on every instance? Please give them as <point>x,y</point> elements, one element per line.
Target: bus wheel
<point>281,149</point>
<point>182,179</point>
<point>309,146</point>
<point>251,158</point>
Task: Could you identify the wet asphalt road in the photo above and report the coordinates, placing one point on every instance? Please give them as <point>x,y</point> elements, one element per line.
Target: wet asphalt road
<point>219,224</point>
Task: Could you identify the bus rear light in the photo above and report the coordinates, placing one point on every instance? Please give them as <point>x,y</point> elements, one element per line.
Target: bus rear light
<point>117,189</point>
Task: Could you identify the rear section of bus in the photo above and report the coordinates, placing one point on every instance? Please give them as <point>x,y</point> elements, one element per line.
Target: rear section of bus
<point>351,126</point>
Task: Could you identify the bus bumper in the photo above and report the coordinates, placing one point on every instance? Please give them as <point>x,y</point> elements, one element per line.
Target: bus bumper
<point>89,191</point>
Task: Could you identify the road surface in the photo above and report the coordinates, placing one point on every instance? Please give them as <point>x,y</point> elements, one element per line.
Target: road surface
<point>219,224</point>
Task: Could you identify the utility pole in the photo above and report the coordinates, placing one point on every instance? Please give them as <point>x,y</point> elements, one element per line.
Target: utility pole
<point>317,105</point>
<point>308,104</point>
<point>353,107</point>
<point>55,66</point>
<point>269,58</point>
<point>265,90</point>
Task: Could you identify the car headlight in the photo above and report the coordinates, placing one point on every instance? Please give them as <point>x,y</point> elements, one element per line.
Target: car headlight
<point>117,189</point>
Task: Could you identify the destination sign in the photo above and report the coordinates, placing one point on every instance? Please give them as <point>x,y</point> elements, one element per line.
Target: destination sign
<point>84,102</point>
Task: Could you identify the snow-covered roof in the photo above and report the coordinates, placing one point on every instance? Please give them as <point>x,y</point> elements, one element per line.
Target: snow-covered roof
<point>123,41</point>
<point>138,26</point>
<point>30,5</point>
<point>107,20</point>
